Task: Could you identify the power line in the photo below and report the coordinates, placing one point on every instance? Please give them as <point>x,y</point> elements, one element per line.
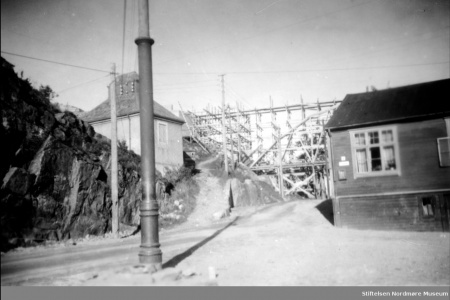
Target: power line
<point>184,88</point>
<point>311,70</point>
<point>239,97</point>
<point>181,83</point>
<point>272,30</point>
<point>78,85</point>
<point>56,62</point>
<point>344,69</point>
<point>186,83</point>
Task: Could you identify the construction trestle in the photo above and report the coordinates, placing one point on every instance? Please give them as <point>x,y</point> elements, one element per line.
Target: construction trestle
<point>285,143</point>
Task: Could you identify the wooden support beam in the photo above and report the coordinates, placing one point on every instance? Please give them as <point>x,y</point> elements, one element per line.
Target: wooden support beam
<point>298,185</point>
<point>293,130</point>
<point>192,132</point>
<point>224,137</point>
<point>280,170</point>
<point>297,148</point>
<point>251,153</point>
<point>294,107</point>
<point>300,165</point>
<point>304,149</point>
<point>317,146</point>
<point>274,183</point>
<point>231,143</point>
<point>288,180</point>
<point>288,144</point>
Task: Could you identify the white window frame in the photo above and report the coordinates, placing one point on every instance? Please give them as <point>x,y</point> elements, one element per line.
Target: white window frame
<point>447,125</point>
<point>380,144</point>
<point>443,140</point>
<point>166,141</point>
<point>443,161</point>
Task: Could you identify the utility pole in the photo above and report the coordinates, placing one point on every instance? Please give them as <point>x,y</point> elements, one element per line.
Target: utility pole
<point>231,140</point>
<point>114,164</point>
<point>303,108</point>
<point>224,131</point>
<point>238,132</point>
<point>150,252</point>
<point>280,170</point>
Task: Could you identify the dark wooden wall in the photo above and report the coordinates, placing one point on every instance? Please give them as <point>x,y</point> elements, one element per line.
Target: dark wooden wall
<point>391,212</point>
<point>419,162</point>
<point>393,202</point>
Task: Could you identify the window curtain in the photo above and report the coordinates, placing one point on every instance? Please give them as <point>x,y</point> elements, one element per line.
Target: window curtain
<point>389,156</point>
<point>361,158</point>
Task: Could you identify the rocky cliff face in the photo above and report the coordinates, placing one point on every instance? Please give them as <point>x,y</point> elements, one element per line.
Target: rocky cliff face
<point>55,170</point>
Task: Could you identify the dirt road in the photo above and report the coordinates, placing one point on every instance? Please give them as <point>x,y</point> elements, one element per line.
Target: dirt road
<point>291,243</point>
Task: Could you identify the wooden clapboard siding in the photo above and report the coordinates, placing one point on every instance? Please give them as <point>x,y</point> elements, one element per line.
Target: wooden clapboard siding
<point>393,202</point>
<point>390,212</point>
<point>419,161</point>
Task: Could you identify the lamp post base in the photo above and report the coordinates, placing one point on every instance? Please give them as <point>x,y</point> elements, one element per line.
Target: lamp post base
<point>152,256</point>
<point>150,252</point>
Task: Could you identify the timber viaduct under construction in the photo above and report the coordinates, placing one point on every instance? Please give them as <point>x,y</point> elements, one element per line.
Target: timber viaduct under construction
<point>286,143</point>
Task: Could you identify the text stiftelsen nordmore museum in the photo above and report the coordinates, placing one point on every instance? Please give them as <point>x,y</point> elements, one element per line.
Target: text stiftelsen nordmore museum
<point>404,293</point>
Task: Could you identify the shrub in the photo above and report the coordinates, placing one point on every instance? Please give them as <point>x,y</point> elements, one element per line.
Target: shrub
<point>175,176</point>
<point>176,207</point>
<point>129,160</point>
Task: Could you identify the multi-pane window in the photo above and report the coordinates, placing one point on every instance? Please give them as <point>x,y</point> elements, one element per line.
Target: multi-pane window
<point>162,133</point>
<point>444,146</point>
<point>375,151</point>
<point>444,151</point>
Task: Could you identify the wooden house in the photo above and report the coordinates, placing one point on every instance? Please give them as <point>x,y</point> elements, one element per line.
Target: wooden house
<point>168,127</point>
<point>390,158</point>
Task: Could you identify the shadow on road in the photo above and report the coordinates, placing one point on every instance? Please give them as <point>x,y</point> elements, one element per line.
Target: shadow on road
<point>180,257</point>
<point>326,209</point>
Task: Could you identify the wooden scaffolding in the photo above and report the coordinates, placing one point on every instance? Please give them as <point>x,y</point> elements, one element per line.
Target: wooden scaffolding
<point>286,143</point>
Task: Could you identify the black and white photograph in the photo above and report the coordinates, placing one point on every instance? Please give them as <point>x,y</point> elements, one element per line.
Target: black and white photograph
<point>250,143</point>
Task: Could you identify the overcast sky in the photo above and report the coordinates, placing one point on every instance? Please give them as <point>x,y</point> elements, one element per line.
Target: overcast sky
<point>317,49</point>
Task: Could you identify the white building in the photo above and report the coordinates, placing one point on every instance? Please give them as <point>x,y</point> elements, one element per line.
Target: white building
<point>168,139</point>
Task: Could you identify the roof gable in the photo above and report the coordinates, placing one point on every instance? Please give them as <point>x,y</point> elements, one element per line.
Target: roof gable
<point>127,104</point>
<point>423,100</point>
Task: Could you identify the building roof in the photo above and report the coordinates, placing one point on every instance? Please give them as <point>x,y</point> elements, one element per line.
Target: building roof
<point>418,101</point>
<point>127,105</point>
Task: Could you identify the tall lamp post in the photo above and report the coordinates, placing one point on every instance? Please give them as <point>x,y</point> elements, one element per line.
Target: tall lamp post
<point>150,252</point>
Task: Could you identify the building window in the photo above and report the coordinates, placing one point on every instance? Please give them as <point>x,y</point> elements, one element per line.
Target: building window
<point>162,133</point>
<point>375,152</point>
<point>427,207</point>
<point>447,125</point>
<point>444,151</point>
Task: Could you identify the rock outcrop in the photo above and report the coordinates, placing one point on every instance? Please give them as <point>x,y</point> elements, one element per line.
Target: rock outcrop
<point>245,188</point>
<point>242,188</point>
<point>55,170</point>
